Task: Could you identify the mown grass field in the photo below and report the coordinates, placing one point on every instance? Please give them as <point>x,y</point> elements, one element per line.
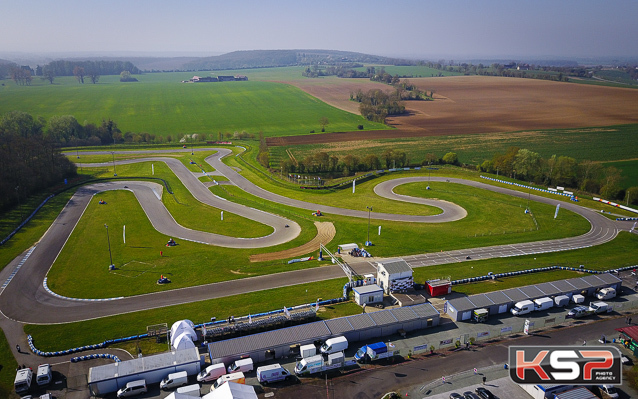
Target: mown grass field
<point>629,170</point>
<point>493,219</point>
<point>160,104</point>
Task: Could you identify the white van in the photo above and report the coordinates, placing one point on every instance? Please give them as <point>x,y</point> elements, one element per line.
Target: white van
<point>132,388</point>
<point>332,345</point>
<point>211,373</point>
<point>190,390</point>
<point>543,303</point>
<point>237,378</point>
<point>22,382</point>
<point>599,307</point>
<point>272,373</point>
<point>174,380</point>
<point>606,293</point>
<point>243,365</point>
<point>522,307</point>
<point>43,375</point>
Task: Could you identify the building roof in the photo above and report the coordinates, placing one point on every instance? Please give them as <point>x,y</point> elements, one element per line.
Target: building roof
<point>515,294</point>
<point>232,390</point>
<point>531,291</point>
<point>579,283</point>
<point>480,301</point>
<point>461,304</point>
<point>564,286</point>
<point>142,364</point>
<point>576,393</point>
<point>608,278</point>
<point>318,330</point>
<point>498,297</point>
<point>367,289</point>
<point>548,289</point>
<point>395,266</point>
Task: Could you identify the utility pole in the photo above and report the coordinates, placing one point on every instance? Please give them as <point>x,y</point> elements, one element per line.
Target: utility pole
<point>368,243</point>
<point>109,241</point>
<point>114,172</point>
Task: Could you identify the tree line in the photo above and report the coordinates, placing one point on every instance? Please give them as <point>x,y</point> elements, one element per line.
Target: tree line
<point>29,162</point>
<point>103,67</point>
<point>588,176</point>
<point>349,164</point>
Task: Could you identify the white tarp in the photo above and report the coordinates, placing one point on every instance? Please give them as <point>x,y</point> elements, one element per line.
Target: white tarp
<point>184,341</point>
<point>348,247</point>
<point>232,390</point>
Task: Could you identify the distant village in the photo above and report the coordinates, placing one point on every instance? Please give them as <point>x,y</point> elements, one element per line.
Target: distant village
<point>200,79</point>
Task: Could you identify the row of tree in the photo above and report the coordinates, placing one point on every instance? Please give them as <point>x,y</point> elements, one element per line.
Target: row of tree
<point>323,163</point>
<point>588,176</point>
<point>103,67</point>
<point>29,162</point>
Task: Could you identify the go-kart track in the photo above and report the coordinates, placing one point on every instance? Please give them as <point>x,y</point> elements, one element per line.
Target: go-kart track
<point>25,298</point>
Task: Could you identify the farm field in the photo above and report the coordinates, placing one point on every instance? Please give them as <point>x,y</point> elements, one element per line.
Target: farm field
<point>160,104</point>
<point>629,170</point>
<point>416,71</point>
<point>483,104</point>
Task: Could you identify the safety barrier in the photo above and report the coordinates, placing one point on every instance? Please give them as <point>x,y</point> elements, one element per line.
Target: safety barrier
<point>604,201</point>
<point>541,269</point>
<point>567,194</point>
<point>25,221</point>
<point>81,348</point>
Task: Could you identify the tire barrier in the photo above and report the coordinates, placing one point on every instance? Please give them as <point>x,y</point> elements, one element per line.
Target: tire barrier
<point>571,195</point>
<point>81,348</point>
<point>626,219</point>
<point>95,356</point>
<point>540,269</point>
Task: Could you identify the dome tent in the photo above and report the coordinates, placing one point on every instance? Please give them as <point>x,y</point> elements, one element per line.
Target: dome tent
<point>183,328</point>
<point>183,341</point>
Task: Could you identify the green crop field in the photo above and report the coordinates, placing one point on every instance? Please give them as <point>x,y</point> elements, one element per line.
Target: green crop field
<point>161,105</point>
<point>412,71</point>
<point>597,144</point>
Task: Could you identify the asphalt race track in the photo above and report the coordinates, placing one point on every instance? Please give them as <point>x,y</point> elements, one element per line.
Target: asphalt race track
<point>25,299</point>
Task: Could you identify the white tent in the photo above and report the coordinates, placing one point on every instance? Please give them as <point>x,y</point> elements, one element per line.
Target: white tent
<point>176,395</point>
<point>182,327</point>
<point>183,341</point>
<point>232,390</point>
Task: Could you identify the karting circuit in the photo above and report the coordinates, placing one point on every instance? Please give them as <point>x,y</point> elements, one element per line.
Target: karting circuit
<point>26,299</point>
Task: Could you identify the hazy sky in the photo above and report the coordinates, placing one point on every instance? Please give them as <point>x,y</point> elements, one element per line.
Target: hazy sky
<point>459,28</point>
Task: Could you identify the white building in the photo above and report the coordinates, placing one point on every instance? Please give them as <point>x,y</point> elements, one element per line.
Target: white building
<point>368,294</point>
<point>394,275</point>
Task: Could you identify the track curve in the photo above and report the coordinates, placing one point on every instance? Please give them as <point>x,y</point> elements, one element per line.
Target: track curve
<point>25,299</point>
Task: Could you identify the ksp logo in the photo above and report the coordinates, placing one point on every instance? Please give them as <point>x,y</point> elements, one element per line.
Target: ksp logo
<point>578,365</point>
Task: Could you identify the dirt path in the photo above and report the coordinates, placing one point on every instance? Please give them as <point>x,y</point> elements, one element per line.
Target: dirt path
<point>325,233</point>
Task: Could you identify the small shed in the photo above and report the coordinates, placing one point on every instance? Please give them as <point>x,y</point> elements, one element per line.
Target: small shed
<point>394,275</point>
<point>346,248</point>
<point>368,294</point>
<point>439,287</point>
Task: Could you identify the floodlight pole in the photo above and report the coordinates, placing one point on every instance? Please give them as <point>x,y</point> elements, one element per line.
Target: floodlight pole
<point>109,241</point>
<point>114,172</point>
<point>369,210</point>
<point>529,194</point>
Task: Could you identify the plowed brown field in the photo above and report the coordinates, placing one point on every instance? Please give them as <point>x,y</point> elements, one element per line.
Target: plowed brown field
<point>479,104</point>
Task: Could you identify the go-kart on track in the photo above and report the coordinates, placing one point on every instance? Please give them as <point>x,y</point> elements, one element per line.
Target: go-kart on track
<point>25,299</point>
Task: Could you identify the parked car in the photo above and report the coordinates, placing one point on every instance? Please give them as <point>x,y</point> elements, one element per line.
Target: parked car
<point>579,311</point>
<point>484,393</point>
<point>470,395</point>
<point>455,395</point>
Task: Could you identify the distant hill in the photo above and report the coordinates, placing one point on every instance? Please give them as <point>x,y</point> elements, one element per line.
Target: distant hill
<point>281,58</point>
